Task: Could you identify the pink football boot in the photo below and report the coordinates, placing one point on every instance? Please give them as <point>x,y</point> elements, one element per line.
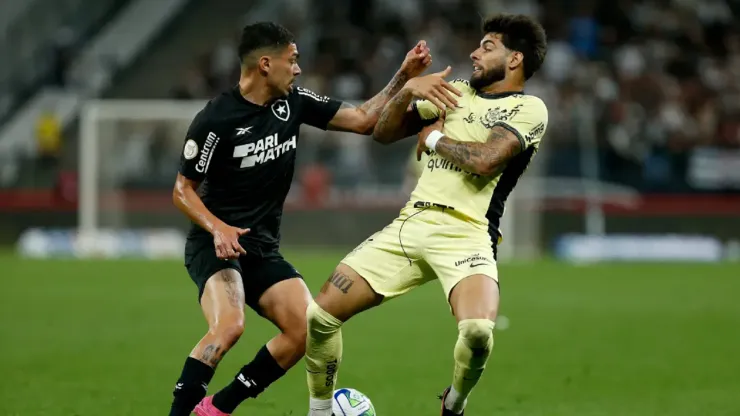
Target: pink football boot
<point>206,408</point>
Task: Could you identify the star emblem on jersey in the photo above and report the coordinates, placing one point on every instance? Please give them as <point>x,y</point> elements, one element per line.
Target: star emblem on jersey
<point>241,131</point>
<point>281,109</point>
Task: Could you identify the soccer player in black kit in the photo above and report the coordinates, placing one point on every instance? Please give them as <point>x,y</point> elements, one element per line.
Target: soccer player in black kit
<point>240,150</point>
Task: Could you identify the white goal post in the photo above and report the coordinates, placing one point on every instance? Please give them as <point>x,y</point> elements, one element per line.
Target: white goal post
<point>94,113</point>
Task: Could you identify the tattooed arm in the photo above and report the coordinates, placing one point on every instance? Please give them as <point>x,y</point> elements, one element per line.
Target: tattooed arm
<point>362,119</point>
<point>486,158</point>
<point>398,120</point>
<point>401,119</point>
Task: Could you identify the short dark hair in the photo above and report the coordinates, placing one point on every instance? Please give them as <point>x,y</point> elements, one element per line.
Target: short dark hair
<point>263,35</point>
<point>523,34</point>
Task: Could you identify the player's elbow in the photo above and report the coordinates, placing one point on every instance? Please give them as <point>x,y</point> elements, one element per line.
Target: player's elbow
<point>382,139</point>
<point>487,168</point>
<point>366,126</point>
<point>177,196</point>
<point>383,135</point>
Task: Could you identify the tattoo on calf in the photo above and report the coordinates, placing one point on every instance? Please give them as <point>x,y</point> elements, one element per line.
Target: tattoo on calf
<point>212,354</point>
<point>341,281</point>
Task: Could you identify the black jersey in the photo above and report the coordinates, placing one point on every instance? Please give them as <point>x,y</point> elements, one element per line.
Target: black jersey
<point>244,155</point>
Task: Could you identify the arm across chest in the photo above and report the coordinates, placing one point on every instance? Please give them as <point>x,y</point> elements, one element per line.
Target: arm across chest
<point>474,122</point>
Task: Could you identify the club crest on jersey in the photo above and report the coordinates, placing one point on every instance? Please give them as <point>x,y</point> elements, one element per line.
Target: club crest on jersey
<point>281,109</point>
<point>494,115</point>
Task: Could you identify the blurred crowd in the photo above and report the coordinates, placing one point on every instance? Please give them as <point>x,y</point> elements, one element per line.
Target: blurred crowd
<point>642,86</point>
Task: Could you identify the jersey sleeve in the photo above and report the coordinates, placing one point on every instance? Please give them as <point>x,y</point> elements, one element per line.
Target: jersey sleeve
<point>425,109</point>
<point>197,153</point>
<point>316,110</point>
<point>528,121</point>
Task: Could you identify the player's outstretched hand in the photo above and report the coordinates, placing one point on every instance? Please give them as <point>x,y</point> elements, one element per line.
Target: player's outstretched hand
<point>421,145</point>
<point>434,88</point>
<point>226,241</point>
<point>417,60</point>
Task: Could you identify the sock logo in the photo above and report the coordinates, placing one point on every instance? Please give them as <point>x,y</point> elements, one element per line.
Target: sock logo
<point>178,386</point>
<point>331,370</point>
<point>205,386</point>
<point>246,381</point>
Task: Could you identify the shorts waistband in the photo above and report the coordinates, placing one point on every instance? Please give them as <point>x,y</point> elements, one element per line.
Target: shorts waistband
<point>427,204</point>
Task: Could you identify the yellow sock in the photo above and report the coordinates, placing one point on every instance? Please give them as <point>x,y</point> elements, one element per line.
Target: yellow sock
<point>323,354</point>
<point>473,347</point>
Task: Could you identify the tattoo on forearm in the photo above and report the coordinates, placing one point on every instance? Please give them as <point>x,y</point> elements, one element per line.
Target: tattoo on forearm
<point>479,157</point>
<point>212,354</point>
<point>374,106</point>
<point>341,281</point>
<point>391,121</point>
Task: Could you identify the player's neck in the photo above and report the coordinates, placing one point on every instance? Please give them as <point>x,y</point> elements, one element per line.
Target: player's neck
<point>255,90</point>
<point>503,86</point>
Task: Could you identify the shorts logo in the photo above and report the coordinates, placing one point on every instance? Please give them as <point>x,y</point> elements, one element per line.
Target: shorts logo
<point>281,109</point>
<point>190,150</point>
<point>474,260</point>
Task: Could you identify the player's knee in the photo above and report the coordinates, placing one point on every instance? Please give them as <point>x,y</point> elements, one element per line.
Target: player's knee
<point>297,333</point>
<point>319,322</point>
<point>229,330</point>
<point>477,333</point>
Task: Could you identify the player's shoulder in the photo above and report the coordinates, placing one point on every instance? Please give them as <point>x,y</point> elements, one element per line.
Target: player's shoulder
<point>216,108</point>
<point>530,100</point>
<point>532,103</point>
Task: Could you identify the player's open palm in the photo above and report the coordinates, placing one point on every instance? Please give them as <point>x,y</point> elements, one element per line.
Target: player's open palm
<point>226,242</point>
<point>421,145</point>
<point>417,60</point>
<point>435,89</point>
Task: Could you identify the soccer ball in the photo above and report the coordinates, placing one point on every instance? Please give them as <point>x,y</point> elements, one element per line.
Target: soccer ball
<point>350,402</point>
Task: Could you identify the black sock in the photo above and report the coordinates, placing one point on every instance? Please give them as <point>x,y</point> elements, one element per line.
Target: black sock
<point>191,387</point>
<point>252,380</point>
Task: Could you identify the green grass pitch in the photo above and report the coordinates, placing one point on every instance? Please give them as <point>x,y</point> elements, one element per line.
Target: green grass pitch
<point>109,338</point>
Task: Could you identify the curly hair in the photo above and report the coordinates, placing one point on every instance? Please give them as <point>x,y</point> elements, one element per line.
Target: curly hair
<point>523,34</point>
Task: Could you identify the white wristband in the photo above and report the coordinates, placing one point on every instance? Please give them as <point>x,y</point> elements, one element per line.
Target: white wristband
<point>432,139</point>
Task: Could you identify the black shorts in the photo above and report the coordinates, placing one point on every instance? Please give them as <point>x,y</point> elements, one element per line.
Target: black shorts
<point>259,270</point>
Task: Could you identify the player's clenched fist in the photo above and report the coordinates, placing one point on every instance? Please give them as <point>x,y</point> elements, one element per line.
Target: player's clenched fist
<point>226,241</point>
<point>417,60</point>
<point>435,89</point>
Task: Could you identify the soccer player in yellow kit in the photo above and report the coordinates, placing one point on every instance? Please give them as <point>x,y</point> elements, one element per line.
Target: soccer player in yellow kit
<point>486,132</point>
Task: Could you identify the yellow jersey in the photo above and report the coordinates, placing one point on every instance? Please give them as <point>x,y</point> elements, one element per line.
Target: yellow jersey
<point>480,199</point>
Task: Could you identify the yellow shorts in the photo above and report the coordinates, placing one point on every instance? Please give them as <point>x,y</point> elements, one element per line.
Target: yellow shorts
<point>421,245</point>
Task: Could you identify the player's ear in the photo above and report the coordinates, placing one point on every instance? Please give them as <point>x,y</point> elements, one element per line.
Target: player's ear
<point>264,63</point>
<point>515,58</point>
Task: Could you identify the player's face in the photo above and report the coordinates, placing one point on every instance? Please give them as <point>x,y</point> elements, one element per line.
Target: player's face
<point>489,61</point>
<point>284,70</point>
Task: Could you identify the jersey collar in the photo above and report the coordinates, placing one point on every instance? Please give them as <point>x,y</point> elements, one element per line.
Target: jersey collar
<point>493,96</point>
<point>239,97</point>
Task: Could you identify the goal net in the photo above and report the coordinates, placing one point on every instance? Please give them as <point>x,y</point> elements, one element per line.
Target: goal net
<point>345,186</point>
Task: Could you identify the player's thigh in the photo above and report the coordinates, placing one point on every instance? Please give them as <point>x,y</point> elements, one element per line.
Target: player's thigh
<point>223,301</point>
<point>389,267</point>
<point>219,282</point>
<point>285,303</point>
<point>459,260</point>
<point>271,283</point>
<point>475,297</point>
<point>346,294</point>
